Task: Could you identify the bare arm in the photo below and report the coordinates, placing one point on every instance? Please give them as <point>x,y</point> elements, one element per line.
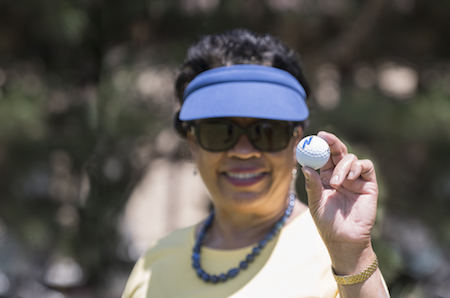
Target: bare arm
<point>343,203</point>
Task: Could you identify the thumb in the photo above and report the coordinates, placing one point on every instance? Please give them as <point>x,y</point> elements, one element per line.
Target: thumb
<point>313,186</point>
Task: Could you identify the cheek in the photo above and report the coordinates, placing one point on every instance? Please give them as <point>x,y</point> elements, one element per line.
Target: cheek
<point>284,164</point>
<point>207,162</point>
<point>289,159</point>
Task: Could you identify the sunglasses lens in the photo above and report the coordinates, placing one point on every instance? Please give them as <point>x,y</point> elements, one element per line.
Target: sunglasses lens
<point>217,135</point>
<point>270,136</point>
<point>221,135</point>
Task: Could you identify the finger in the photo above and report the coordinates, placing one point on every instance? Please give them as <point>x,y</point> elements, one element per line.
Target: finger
<point>361,178</point>
<point>359,186</point>
<point>337,148</point>
<point>342,169</point>
<point>313,186</point>
<point>362,168</point>
<point>355,170</point>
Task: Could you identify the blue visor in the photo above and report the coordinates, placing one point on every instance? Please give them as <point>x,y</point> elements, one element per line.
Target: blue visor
<point>245,90</point>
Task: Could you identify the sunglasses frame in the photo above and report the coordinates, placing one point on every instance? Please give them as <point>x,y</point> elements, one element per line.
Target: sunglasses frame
<point>242,130</point>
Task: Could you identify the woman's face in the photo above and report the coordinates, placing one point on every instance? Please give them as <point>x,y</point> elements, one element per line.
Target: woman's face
<point>244,178</point>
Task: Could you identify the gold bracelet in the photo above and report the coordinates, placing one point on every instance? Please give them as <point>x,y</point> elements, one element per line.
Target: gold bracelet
<point>357,278</point>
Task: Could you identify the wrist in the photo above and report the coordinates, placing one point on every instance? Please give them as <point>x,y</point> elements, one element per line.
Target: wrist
<point>351,260</point>
<point>356,278</point>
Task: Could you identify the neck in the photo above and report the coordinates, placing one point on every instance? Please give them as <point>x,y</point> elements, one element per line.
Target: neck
<point>234,230</point>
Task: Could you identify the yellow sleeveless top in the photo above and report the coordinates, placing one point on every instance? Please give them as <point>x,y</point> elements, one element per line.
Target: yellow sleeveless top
<point>294,264</point>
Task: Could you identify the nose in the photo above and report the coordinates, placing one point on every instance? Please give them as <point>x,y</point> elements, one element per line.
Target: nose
<point>243,149</point>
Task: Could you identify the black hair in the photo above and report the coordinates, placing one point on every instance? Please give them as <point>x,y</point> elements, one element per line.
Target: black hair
<point>238,46</point>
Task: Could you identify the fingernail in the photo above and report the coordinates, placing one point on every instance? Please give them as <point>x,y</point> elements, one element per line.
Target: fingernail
<point>335,179</point>
<point>350,175</point>
<point>306,174</point>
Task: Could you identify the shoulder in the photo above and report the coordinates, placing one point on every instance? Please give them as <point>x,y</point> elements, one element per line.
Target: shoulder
<point>162,254</point>
<point>175,241</point>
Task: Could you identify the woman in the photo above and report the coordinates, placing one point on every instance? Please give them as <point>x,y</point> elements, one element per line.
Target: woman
<point>243,112</point>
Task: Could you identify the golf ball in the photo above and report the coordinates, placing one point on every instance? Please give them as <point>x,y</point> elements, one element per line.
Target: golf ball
<point>313,152</point>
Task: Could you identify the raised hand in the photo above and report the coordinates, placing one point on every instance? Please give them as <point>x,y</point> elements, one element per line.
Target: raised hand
<point>343,202</point>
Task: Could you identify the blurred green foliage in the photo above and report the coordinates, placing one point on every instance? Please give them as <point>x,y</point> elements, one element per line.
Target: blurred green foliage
<point>82,83</point>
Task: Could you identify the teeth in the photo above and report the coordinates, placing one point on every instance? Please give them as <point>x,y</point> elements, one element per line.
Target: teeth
<point>243,175</point>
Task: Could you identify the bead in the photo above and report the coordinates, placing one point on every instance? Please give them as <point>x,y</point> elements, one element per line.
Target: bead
<point>256,251</point>
<point>243,265</point>
<point>233,272</point>
<point>262,243</point>
<point>223,277</point>
<point>269,236</point>
<point>201,235</point>
<point>196,248</point>
<point>196,264</point>
<point>205,276</point>
<point>278,226</point>
<point>209,220</point>
<point>214,279</point>
<point>250,258</point>
<point>199,272</point>
<point>196,256</point>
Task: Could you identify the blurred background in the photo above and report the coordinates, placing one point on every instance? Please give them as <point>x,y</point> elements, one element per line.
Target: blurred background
<point>91,172</point>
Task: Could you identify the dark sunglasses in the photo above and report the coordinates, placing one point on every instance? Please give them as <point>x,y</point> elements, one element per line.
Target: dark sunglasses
<point>221,134</point>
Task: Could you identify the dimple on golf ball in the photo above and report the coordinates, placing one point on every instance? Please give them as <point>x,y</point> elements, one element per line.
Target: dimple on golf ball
<point>313,152</point>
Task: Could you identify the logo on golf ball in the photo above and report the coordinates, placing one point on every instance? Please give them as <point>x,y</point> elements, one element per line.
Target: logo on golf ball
<point>313,152</point>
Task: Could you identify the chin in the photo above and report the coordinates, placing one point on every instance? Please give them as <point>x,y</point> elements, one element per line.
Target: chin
<point>245,199</point>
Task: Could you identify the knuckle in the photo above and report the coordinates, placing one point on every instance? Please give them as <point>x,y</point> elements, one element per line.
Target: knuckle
<point>352,156</point>
<point>367,163</point>
<point>349,159</point>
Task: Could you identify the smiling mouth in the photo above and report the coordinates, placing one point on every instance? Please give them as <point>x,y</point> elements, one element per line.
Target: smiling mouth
<point>243,175</point>
<point>244,179</point>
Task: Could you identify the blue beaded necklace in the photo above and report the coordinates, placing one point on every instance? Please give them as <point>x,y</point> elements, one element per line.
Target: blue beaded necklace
<point>223,277</point>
